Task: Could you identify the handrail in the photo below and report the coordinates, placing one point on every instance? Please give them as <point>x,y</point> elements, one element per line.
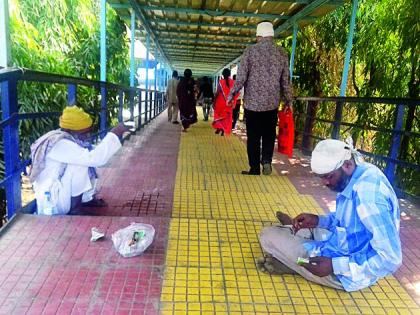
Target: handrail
<point>396,132</point>
<point>147,108</point>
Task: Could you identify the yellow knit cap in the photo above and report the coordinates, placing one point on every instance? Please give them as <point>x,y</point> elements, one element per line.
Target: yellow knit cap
<point>75,118</point>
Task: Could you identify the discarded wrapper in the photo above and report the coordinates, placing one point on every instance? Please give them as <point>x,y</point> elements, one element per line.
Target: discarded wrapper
<point>300,261</point>
<point>96,234</point>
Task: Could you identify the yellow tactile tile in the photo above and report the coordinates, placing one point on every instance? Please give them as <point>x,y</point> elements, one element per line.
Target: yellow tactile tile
<point>213,241</point>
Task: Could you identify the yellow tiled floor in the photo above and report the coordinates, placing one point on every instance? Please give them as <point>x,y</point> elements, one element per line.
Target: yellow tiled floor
<point>213,241</point>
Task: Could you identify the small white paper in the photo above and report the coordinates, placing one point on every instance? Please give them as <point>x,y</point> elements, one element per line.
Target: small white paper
<point>96,234</point>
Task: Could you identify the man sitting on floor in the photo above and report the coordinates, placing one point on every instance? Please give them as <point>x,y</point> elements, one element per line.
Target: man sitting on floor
<point>351,248</point>
<point>63,164</point>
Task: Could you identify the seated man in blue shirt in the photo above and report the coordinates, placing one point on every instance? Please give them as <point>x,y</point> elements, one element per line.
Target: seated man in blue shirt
<point>351,248</point>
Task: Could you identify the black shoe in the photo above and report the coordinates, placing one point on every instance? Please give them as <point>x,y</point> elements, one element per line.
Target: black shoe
<point>250,173</point>
<point>217,131</point>
<point>176,122</point>
<point>222,132</point>
<point>267,168</point>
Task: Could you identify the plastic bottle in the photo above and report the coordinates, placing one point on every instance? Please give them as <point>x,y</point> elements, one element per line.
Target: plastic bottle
<point>48,205</point>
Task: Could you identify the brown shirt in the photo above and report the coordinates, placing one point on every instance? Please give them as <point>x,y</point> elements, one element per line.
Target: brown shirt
<point>264,74</point>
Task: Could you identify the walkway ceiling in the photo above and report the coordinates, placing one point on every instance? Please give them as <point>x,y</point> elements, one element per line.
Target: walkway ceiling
<point>208,35</point>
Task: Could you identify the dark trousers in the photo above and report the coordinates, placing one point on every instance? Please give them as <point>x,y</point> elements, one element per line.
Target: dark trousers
<point>235,114</point>
<point>260,127</point>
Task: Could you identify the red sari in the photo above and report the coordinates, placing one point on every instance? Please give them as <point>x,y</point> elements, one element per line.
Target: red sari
<point>223,111</point>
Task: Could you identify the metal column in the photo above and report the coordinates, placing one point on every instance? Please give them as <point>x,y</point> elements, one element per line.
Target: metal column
<point>292,56</point>
<point>5,54</point>
<point>132,63</point>
<point>146,106</point>
<point>103,40</point>
<point>349,46</point>
<point>103,124</point>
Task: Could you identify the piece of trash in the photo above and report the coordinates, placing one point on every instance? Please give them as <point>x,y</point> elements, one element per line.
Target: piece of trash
<point>96,234</point>
<point>301,261</point>
<point>134,239</point>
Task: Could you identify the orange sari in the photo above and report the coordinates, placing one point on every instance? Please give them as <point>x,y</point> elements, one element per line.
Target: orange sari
<point>222,110</point>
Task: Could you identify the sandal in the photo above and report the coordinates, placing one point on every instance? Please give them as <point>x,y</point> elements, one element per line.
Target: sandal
<point>95,202</point>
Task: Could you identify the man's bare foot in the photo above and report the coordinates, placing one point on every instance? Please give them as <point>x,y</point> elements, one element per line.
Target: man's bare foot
<point>269,264</point>
<point>284,218</point>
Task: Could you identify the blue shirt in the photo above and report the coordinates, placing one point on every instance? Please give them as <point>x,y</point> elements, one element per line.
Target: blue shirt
<point>364,242</point>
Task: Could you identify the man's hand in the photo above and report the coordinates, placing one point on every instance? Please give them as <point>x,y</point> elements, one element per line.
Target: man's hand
<point>305,221</point>
<point>119,130</point>
<point>319,266</point>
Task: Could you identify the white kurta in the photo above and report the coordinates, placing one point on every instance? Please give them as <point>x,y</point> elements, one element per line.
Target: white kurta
<point>75,180</point>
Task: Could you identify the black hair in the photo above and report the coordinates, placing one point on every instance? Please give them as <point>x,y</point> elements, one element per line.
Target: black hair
<point>187,73</point>
<point>175,74</point>
<point>226,75</point>
<point>234,77</point>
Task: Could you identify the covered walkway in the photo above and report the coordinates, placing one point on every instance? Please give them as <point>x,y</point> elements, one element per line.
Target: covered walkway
<point>207,217</point>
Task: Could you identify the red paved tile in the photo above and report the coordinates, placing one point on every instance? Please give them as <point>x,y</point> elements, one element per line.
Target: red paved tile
<point>64,273</point>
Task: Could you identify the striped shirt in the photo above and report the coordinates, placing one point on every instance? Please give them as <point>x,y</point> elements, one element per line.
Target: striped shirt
<point>364,242</point>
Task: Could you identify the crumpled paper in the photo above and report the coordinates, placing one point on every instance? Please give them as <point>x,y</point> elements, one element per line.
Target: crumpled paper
<point>96,234</point>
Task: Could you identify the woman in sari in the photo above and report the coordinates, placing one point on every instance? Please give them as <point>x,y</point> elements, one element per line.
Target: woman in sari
<point>186,100</point>
<point>222,109</point>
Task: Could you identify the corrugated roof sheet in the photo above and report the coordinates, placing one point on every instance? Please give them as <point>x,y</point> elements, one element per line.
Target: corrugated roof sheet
<point>206,35</point>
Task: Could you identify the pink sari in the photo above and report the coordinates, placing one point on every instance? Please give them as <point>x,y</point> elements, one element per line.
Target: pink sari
<point>223,111</point>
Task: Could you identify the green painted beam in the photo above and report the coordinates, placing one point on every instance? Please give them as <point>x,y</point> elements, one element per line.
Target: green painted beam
<point>198,53</point>
<point>214,13</point>
<point>197,23</point>
<point>300,15</point>
<point>180,32</point>
<point>201,46</point>
<point>145,23</point>
<point>210,41</point>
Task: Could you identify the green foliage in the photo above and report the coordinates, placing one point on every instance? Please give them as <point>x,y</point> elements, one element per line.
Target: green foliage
<point>62,37</point>
<point>385,63</point>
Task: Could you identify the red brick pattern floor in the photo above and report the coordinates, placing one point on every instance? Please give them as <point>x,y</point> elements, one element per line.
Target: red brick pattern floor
<point>48,264</point>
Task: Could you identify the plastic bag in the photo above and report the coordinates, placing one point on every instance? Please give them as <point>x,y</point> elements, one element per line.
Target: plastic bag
<point>134,239</point>
<point>286,137</point>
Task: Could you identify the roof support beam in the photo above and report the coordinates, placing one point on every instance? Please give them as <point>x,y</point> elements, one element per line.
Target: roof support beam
<point>196,24</point>
<point>301,15</point>
<point>233,36</point>
<point>147,27</point>
<point>214,13</point>
<point>210,41</point>
<point>203,46</point>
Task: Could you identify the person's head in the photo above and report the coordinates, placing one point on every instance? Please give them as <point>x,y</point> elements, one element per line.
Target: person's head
<point>205,79</point>
<point>187,73</point>
<point>264,29</point>
<point>333,161</point>
<point>234,77</point>
<point>77,122</point>
<point>226,75</point>
<point>175,74</point>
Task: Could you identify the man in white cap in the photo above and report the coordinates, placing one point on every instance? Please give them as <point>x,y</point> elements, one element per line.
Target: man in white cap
<point>351,248</point>
<point>264,74</point>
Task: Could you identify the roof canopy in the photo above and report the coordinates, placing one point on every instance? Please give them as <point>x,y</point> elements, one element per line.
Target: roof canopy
<point>207,35</point>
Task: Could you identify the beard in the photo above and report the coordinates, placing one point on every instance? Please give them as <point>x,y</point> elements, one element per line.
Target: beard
<point>342,182</point>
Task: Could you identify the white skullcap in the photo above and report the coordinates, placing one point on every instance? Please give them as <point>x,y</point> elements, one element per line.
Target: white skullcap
<point>265,29</point>
<point>329,155</point>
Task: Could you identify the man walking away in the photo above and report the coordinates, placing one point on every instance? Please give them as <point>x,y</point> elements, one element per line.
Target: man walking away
<point>206,92</point>
<point>172,99</point>
<point>264,74</point>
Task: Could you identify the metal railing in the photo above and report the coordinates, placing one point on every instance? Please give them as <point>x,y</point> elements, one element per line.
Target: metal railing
<point>308,118</point>
<point>147,103</point>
